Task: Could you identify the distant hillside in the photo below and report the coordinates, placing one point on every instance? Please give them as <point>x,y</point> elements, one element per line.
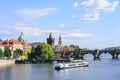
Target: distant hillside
<point>112,48</point>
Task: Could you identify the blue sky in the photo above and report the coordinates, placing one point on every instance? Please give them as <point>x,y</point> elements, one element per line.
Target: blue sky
<point>87,23</point>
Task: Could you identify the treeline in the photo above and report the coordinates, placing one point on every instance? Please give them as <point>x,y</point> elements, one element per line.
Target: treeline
<point>8,54</point>
<point>43,51</point>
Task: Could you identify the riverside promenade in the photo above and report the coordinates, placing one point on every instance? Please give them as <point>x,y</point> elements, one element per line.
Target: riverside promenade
<point>4,63</point>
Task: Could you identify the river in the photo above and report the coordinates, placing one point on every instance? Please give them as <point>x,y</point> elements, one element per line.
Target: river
<point>104,69</point>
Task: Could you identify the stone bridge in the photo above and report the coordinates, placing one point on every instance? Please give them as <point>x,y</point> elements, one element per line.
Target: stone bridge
<point>96,54</point>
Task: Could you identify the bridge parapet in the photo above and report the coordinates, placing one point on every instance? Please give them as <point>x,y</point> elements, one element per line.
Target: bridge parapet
<point>96,53</point>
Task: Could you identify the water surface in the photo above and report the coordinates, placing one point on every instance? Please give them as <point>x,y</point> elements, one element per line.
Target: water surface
<point>105,69</point>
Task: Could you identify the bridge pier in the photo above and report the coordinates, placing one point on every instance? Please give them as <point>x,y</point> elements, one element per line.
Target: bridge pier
<point>97,58</point>
<point>96,55</point>
<point>114,56</point>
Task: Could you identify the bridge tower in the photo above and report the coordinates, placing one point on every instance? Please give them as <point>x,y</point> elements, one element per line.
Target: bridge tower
<point>51,40</point>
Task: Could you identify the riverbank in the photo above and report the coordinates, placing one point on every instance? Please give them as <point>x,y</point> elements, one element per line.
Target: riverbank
<point>4,63</point>
<point>39,61</point>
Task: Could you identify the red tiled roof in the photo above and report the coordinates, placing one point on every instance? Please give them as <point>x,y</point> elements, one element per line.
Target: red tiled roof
<point>1,44</point>
<point>14,41</point>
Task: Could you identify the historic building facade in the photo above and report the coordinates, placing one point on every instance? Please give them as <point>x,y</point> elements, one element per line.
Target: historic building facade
<point>14,44</point>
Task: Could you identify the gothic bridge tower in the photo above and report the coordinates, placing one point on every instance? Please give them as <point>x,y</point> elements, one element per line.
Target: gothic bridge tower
<point>51,40</point>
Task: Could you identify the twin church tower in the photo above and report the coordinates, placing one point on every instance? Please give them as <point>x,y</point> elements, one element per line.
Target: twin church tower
<point>51,40</point>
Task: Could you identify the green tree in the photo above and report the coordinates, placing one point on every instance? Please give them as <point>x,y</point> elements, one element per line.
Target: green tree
<point>7,53</point>
<point>77,49</point>
<point>17,53</point>
<point>44,51</point>
<point>1,53</point>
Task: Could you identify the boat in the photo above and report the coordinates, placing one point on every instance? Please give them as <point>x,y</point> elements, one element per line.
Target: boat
<point>72,64</point>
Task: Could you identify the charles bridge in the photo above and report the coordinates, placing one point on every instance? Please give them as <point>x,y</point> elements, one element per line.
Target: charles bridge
<point>96,53</point>
<point>66,56</point>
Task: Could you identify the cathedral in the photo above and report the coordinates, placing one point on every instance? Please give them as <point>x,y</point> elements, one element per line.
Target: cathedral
<point>51,41</point>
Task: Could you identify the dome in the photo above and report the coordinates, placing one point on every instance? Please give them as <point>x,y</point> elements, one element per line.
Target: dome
<point>0,39</point>
<point>22,37</point>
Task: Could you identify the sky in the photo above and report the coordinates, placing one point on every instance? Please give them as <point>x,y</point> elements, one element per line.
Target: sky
<point>93,24</point>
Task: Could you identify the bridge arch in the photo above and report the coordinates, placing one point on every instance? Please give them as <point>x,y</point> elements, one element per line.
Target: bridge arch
<point>70,54</point>
<point>103,54</point>
<point>88,56</point>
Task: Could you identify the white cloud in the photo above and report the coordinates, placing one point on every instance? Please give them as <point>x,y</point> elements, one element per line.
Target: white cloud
<point>90,17</point>
<point>99,6</point>
<point>88,3</point>
<point>62,25</point>
<point>35,13</point>
<point>76,4</point>
<point>28,31</point>
<point>34,31</point>
<point>76,34</point>
<point>105,5</point>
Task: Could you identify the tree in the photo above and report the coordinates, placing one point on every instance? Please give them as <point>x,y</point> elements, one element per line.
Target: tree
<point>7,53</point>
<point>44,51</point>
<point>17,52</point>
<point>1,53</point>
<point>77,49</point>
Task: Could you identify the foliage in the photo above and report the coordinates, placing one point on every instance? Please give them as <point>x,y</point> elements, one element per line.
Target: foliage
<point>17,52</point>
<point>29,50</point>
<point>31,55</point>
<point>25,57</point>
<point>44,51</point>
<point>7,53</point>
<point>1,53</point>
<point>85,49</point>
<point>77,49</point>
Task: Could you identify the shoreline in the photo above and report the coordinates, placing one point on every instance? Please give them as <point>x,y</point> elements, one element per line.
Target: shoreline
<point>4,63</point>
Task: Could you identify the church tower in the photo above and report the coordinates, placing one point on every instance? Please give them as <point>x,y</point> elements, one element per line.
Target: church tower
<point>60,41</point>
<point>51,40</point>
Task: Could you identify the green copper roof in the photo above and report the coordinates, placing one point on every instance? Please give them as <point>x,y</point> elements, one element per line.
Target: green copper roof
<point>0,39</point>
<point>22,37</point>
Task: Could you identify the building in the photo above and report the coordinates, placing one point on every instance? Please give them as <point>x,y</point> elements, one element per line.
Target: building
<point>51,40</point>
<point>59,47</point>
<point>14,44</point>
<point>34,45</point>
<point>1,46</point>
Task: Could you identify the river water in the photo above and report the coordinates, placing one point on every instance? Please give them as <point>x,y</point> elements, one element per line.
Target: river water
<point>104,69</point>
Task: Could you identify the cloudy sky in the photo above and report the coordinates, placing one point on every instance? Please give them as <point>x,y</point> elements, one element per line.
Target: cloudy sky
<point>87,23</point>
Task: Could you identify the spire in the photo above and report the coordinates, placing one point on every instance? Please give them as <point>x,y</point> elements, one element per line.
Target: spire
<point>50,36</point>
<point>50,40</point>
<point>60,40</point>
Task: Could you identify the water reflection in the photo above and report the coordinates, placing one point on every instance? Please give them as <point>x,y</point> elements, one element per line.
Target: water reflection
<point>105,69</point>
